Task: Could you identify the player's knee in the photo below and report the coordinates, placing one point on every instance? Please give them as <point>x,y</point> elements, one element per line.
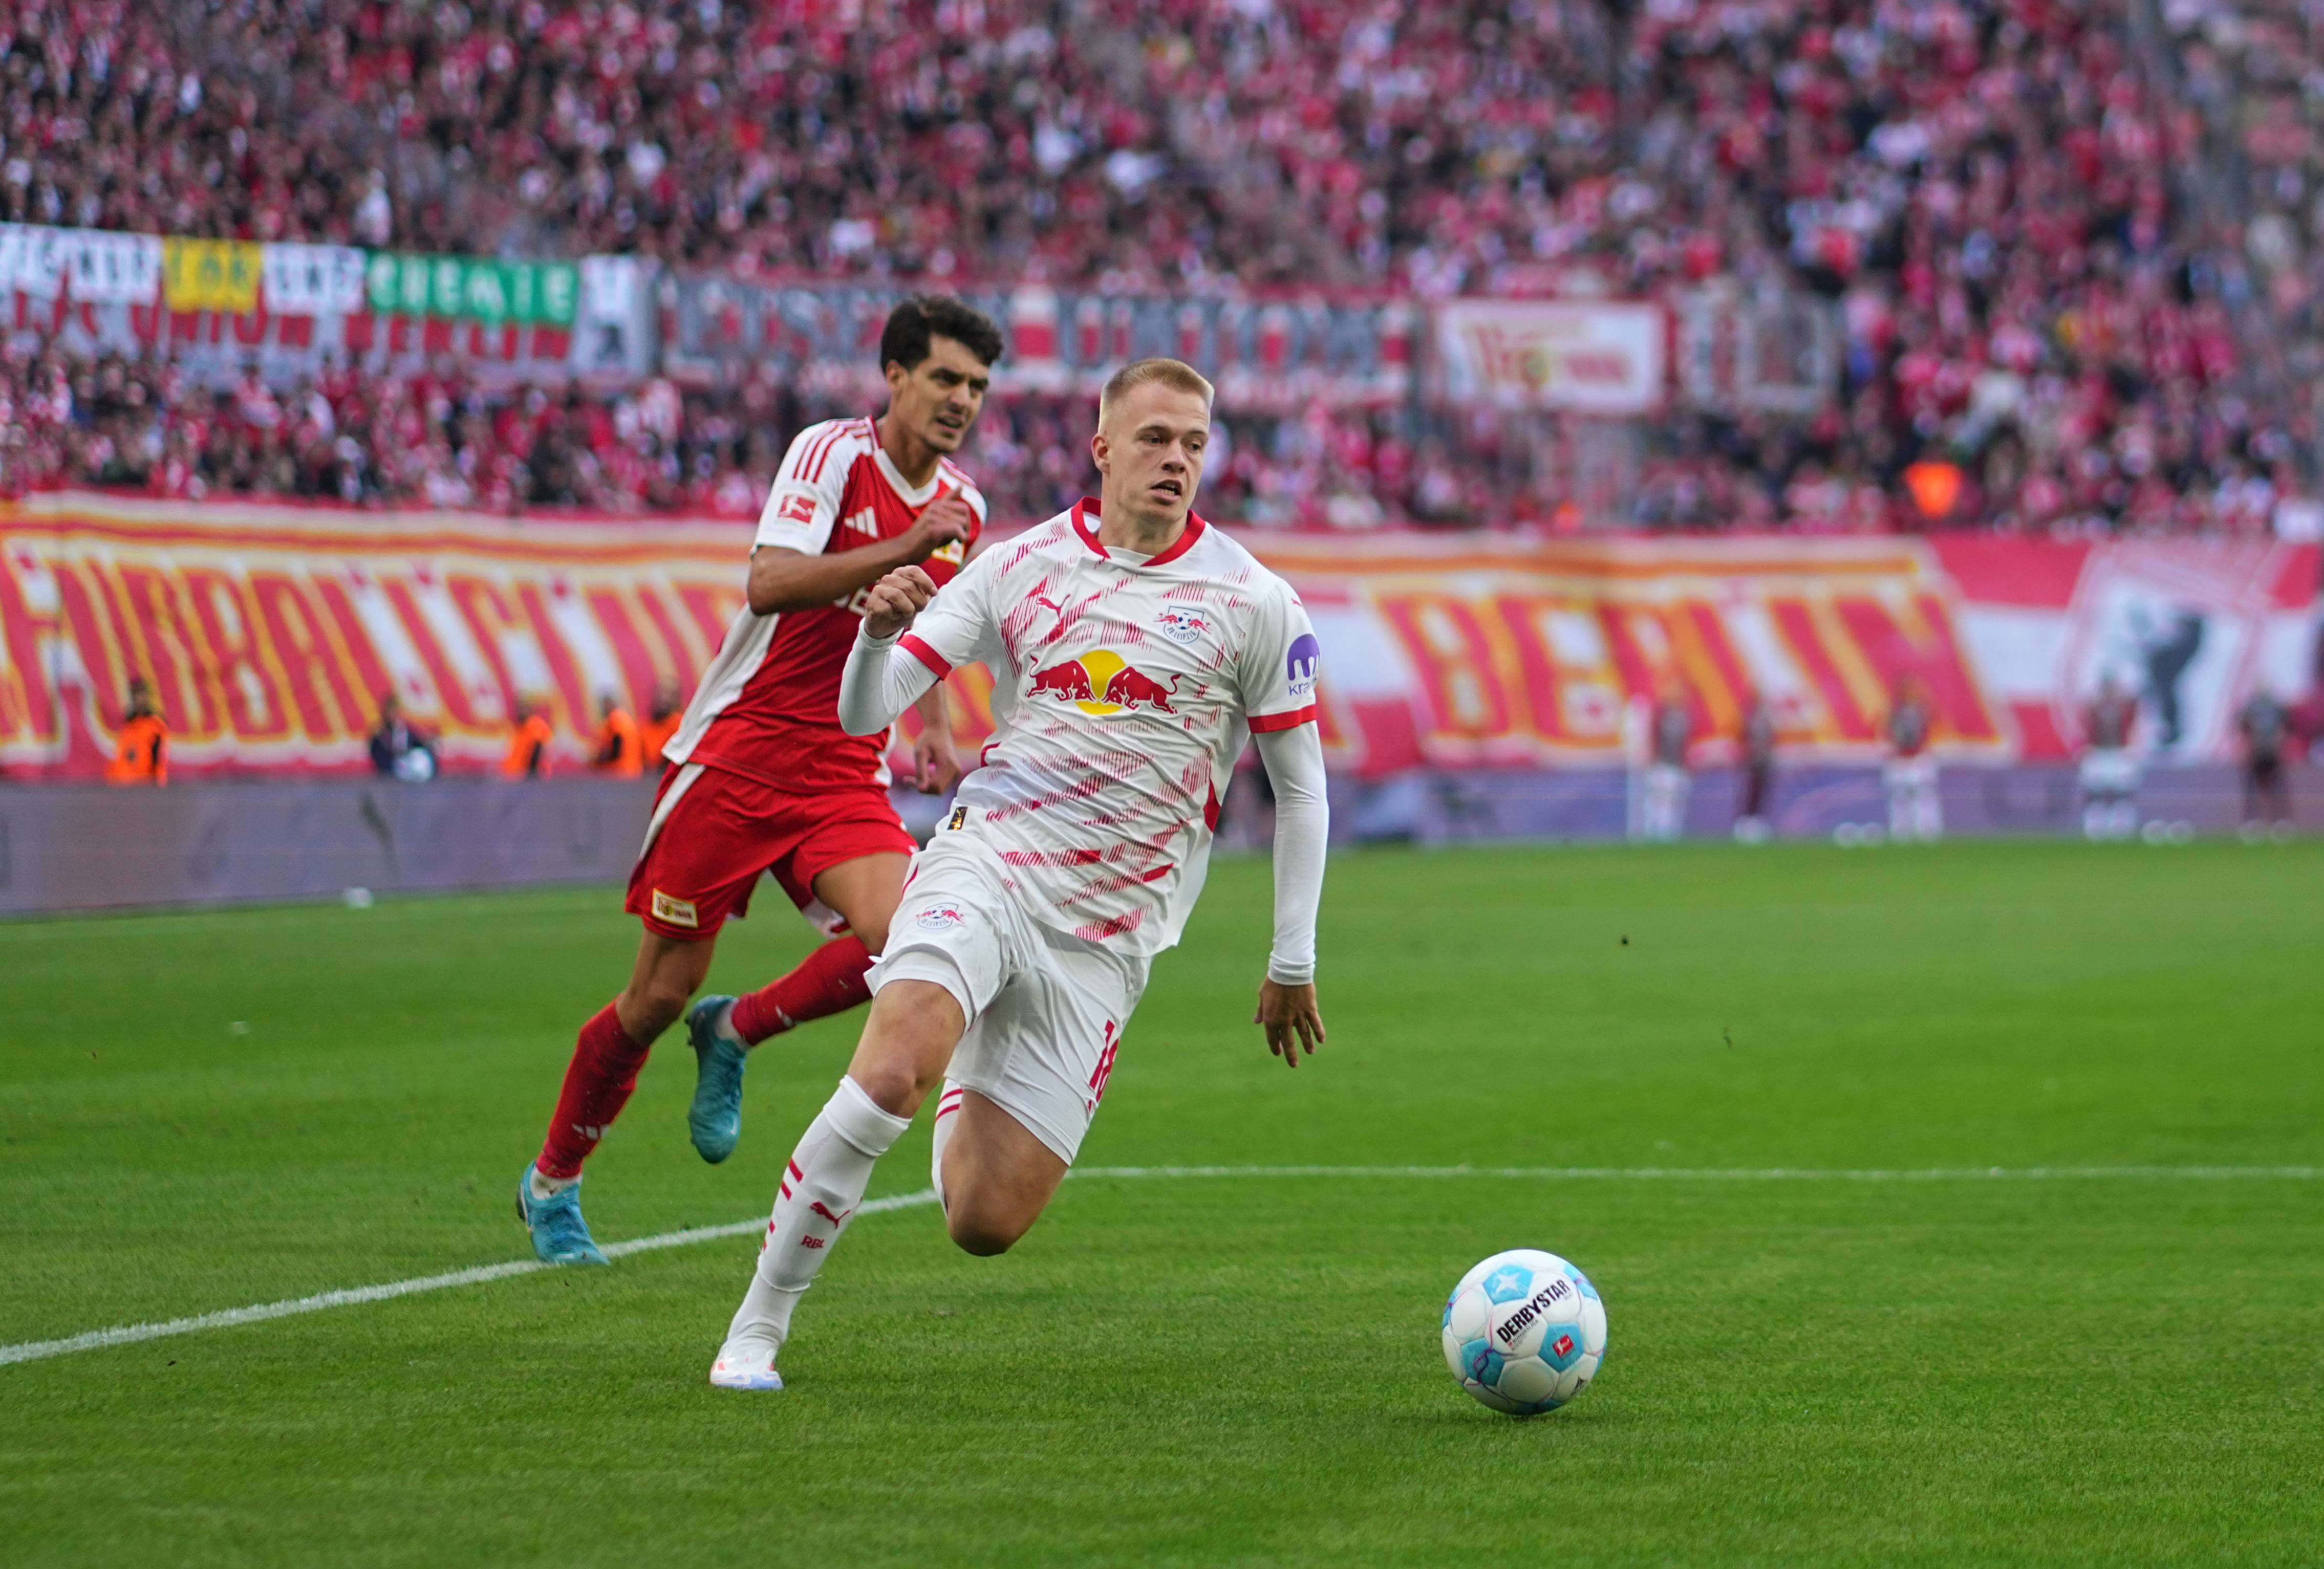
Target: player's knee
<point>981,1232</point>
<point>655,1005</point>
<point>897,1074</point>
<point>872,932</point>
<point>893,1083</point>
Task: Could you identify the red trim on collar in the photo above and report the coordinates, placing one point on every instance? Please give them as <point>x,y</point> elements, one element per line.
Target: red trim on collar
<point>1087,508</point>
<point>1080,525</point>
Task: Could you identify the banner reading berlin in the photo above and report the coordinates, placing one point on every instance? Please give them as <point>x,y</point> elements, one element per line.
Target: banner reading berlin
<point>270,633</point>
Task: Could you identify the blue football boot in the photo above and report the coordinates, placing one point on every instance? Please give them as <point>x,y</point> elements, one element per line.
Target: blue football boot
<point>715,1120</point>
<point>559,1234</point>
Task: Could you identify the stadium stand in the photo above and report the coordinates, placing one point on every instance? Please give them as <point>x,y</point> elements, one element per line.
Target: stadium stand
<point>2069,247</point>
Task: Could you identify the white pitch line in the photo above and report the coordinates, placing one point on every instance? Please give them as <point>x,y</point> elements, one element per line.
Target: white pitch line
<point>354,1296</point>
<point>131,1333</point>
<point>1744,1174</point>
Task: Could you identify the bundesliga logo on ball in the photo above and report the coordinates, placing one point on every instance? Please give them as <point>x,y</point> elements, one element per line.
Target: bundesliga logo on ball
<point>1525,1332</point>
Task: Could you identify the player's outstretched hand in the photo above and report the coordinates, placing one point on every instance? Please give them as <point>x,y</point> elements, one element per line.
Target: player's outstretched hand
<point>1292,1020</point>
<point>947,520</point>
<point>935,767</point>
<point>891,602</point>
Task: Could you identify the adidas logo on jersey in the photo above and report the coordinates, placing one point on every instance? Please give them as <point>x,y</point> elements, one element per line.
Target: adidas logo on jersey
<point>865,522</point>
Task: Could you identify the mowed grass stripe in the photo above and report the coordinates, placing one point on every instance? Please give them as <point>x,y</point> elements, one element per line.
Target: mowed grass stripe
<point>483,1274</point>
<point>1838,1336</point>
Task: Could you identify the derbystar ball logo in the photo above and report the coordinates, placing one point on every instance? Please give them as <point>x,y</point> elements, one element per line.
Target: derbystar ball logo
<point>1549,1295</point>
<point>1102,681</point>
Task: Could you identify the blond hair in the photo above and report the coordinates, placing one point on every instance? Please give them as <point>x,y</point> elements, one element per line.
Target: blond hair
<point>1174,373</point>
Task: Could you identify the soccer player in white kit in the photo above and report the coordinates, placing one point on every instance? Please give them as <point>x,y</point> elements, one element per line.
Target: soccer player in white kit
<point>1132,648</point>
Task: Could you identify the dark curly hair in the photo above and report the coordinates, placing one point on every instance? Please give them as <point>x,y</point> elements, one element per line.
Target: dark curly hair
<point>904,341</point>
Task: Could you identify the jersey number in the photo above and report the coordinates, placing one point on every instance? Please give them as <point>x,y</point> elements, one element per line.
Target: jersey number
<point>1104,1070</point>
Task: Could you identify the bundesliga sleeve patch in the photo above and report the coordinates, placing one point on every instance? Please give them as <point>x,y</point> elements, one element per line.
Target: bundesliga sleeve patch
<point>674,911</point>
<point>797,507</point>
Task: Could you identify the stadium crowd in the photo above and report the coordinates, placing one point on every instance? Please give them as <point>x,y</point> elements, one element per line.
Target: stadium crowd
<point>2055,315</point>
<point>442,439</point>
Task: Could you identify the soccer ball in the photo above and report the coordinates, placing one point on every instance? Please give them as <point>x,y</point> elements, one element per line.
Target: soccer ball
<point>1525,1332</point>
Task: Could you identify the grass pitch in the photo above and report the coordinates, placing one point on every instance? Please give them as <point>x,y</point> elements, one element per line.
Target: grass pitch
<point>200,1112</point>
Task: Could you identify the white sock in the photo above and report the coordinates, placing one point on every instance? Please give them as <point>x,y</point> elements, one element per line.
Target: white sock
<point>541,1186</point>
<point>947,1119</point>
<point>821,1188</point>
<point>721,1025</point>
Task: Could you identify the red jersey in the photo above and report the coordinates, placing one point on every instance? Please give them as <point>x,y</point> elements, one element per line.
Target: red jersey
<point>768,708</point>
<point>2107,722</point>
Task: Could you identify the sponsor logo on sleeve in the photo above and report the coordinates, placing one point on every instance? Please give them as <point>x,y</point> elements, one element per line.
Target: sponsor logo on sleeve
<point>674,911</point>
<point>1305,657</point>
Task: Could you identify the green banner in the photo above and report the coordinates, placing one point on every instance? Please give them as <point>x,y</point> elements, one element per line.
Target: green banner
<point>469,288</point>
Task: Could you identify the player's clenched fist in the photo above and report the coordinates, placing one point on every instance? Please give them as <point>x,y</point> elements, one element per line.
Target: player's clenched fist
<point>948,520</point>
<point>891,602</point>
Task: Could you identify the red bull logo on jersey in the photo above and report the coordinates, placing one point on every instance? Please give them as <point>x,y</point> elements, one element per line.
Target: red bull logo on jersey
<point>1102,681</point>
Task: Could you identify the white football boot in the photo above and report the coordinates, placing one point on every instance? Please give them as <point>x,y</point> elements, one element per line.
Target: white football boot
<point>746,1361</point>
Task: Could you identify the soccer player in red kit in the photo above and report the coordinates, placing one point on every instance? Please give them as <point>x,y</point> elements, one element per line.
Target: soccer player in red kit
<point>762,778</point>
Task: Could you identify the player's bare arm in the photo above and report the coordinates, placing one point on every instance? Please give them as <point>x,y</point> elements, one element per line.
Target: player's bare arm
<point>789,580</point>
<point>936,763</point>
<point>932,405</point>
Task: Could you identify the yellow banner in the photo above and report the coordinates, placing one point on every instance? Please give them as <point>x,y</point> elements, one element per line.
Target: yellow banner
<point>220,275</point>
<point>269,634</point>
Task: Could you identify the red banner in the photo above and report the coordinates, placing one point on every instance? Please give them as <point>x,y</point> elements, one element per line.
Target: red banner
<point>270,634</point>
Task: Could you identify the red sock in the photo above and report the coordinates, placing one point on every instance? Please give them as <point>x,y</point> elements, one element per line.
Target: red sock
<point>830,980</point>
<point>597,1085</point>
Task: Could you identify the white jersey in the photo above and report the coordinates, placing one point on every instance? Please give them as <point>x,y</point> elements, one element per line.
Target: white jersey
<point>1124,689</point>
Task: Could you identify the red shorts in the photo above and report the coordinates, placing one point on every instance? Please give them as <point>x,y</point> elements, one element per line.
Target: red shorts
<point>714,832</point>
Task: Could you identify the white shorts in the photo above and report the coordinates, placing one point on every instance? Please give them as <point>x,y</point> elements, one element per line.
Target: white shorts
<point>1918,773</point>
<point>2111,771</point>
<point>1046,1009</point>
